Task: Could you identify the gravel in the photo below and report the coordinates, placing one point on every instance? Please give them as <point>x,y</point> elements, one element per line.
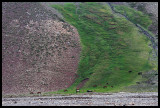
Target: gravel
<point>91,99</point>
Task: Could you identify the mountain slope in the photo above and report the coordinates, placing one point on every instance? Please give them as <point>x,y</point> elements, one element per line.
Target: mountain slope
<point>113,49</point>
<point>82,45</point>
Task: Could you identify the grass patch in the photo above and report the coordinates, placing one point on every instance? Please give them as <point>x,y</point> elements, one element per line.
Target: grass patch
<point>135,16</point>
<point>111,46</point>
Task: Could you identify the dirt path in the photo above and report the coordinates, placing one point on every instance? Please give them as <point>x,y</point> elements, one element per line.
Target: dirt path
<point>93,99</point>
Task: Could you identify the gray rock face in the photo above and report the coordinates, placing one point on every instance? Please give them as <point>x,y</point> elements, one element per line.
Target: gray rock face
<point>47,6</point>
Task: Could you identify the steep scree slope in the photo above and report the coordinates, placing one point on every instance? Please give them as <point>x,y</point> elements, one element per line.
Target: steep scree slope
<point>40,52</point>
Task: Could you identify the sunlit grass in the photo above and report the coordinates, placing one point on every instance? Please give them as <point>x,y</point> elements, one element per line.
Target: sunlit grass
<point>111,46</point>
<point>135,16</point>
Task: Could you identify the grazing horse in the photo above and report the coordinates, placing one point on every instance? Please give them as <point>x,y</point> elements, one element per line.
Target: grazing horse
<point>104,86</point>
<point>38,92</point>
<point>130,71</point>
<point>139,73</point>
<point>94,85</point>
<point>77,90</point>
<point>31,92</point>
<point>89,91</point>
<point>65,90</point>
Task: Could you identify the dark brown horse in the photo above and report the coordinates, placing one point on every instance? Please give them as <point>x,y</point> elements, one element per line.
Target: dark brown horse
<point>65,90</point>
<point>38,92</point>
<point>104,86</point>
<point>31,93</point>
<point>94,85</point>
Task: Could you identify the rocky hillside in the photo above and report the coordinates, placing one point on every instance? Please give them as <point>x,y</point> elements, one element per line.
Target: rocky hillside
<point>50,46</point>
<point>148,8</point>
<point>151,9</point>
<point>40,52</point>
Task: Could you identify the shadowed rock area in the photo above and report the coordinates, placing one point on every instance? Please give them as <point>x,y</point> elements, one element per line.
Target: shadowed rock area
<point>40,52</point>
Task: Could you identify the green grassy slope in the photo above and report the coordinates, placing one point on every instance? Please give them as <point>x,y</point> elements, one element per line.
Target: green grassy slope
<point>111,47</point>
<point>135,16</point>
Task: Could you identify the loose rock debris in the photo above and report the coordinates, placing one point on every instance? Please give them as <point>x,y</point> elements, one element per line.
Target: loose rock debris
<point>96,99</point>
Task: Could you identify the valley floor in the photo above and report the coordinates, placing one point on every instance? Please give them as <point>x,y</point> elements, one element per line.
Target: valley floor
<point>89,99</point>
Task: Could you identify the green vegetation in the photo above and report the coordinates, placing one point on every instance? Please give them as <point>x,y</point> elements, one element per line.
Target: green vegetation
<point>135,16</point>
<point>132,4</point>
<point>111,46</point>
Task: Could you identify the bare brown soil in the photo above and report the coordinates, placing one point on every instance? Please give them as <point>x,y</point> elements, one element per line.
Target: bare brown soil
<point>40,52</point>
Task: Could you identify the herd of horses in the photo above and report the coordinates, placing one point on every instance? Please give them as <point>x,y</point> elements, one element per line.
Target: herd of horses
<point>78,90</point>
